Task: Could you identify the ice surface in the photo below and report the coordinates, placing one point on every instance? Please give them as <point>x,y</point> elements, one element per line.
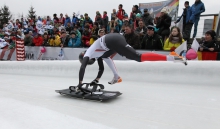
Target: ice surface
<point>156,95</point>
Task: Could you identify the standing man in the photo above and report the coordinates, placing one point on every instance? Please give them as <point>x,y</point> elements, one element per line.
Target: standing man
<point>188,21</point>
<point>199,8</point>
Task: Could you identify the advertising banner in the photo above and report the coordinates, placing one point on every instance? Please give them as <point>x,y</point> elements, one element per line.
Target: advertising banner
<point>154,8</point>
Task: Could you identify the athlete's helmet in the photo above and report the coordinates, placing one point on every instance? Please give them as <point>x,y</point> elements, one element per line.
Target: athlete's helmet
<point>81,55</point>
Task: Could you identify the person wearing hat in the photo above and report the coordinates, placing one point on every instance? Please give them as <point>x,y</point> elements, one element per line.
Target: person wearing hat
<point>146,17</point>
<point>151,40</point>
<point>74,40</point>
<point>209,43</point>
<point>163,24</point>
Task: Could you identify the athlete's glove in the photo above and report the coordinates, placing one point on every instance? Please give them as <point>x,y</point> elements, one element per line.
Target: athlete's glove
<point>94,82</point>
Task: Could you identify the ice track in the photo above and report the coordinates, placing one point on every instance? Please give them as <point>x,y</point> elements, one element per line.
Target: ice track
<point>156,95</point>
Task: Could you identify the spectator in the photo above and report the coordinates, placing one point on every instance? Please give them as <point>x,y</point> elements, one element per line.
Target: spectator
<point>135,11</point>
<point>86,37</point>
<point>151,40</point>
<point>122,31</point>
<point>113,14</point>
<point>101,33</point>
<point>94,33</point>
<point>10,47</point>
<point>67,20</point>
<point>141,30</point>
<point>137,19</point>
<point>209,43</point>
<point>87,19</point>
<point>175,40</point>
<point>64,39</point>
<point>188,20</point>
<point>74,19</point>
<point>49,21</point>
<point>69,28</point>
<point>105,20</point>
<point>61,19</point>
<point>163,24</point>
<point>37,40</point>
<point>111,24</point>
<point>121,12</point>
<point>54,40</point>
<point>97,14</point>
<point>46,40</point>
<point>78,33</point>
<point>99,20</point>
<point>74,41</point>
<point>55,19</point>
<point>20,34</point>
<point>199,8</point>
<point>81,21</point>
<point>146,17</point>
<point>131,37</point>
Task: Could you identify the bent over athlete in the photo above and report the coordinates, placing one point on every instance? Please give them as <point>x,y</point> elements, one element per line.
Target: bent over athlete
<point>115,42</point>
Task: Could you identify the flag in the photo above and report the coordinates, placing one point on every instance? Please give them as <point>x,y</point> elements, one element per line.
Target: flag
<point>195,45</point>
<point>182,47</point>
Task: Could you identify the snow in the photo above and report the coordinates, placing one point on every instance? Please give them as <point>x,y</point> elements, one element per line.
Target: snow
<point>155,95</point>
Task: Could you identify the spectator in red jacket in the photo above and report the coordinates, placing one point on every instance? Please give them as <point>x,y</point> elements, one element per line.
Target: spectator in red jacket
<point>61,19</point>
<point>86,36</point>
<point>121,12</point>
<point>37,40</point>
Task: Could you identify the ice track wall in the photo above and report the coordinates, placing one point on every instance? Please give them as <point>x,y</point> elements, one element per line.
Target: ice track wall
<point>196,73</point>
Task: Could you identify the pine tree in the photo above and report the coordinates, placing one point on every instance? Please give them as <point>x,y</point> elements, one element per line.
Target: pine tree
<point>5,14</point>
<point>31,12</point>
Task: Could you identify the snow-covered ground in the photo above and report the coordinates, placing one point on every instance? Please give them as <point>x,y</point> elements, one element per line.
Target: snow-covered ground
<point>156,95</point>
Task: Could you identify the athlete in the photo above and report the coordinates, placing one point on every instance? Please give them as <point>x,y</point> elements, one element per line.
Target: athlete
<point>114,42</point>
<point>100,55</point>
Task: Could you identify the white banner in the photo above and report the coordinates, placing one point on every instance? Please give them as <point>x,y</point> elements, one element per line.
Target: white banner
<point>52,53</point>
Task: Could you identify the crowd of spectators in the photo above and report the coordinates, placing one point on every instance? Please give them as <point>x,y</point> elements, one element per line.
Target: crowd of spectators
<point>140,30</point>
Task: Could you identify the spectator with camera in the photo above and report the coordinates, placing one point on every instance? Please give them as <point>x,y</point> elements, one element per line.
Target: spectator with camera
<point>151,40</point>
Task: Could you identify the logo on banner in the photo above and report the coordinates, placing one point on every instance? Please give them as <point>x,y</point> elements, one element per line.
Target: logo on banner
<point>29,55</point>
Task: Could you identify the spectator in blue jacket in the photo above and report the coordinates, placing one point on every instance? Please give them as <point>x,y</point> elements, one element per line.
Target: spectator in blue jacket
<point>87,19</point>
<point>74,40</point>
<point>188,20</point>
<point>67,20</point>
<point>74,19</point>
<point>199,8</point>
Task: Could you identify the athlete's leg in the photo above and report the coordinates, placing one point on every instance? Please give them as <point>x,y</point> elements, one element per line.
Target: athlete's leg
<point>118,43</point>
<point>116,78</point>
